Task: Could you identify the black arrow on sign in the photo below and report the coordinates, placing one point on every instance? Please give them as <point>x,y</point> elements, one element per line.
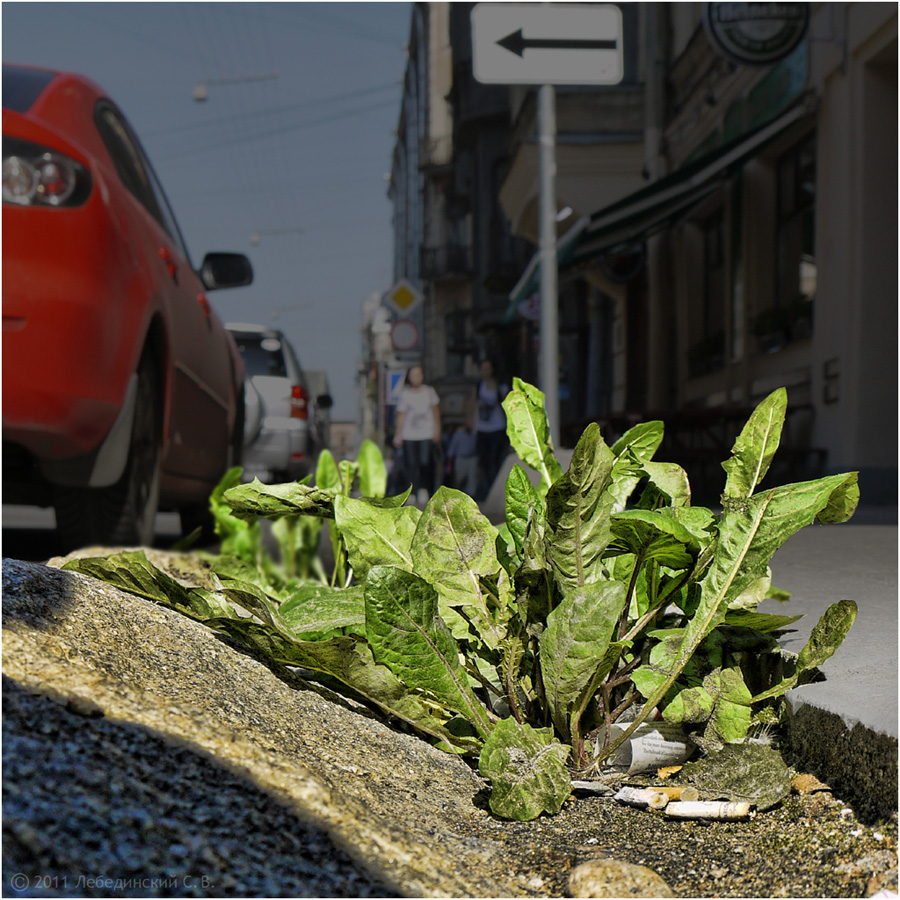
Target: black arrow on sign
<point>518,44</point>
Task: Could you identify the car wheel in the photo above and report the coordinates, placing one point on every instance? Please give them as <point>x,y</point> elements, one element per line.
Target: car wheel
<point>124,512</point>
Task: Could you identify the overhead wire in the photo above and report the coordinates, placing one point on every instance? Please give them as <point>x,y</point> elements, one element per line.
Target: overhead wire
<point>273,90</point>
<point>200,38</point>
<point>285,128</point>
<point>281,109</point>
<point>345,27</point>
<point>220,54</point>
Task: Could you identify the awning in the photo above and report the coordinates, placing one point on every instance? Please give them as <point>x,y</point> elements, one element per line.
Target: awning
<point>657,206</point>
<point>530,280</point>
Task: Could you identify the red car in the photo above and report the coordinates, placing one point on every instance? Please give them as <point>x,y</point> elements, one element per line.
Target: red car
<point>122,392</point>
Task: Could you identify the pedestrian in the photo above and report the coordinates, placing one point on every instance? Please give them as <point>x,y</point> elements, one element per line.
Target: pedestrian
<point>418,428</point>
<point>490,425</point>
<point>462,453</point>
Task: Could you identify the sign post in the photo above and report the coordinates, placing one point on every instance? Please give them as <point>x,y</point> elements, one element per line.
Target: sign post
<point>549,367</point>
<point>547,44</point>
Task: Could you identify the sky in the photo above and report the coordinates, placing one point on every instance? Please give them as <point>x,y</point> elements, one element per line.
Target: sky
<point>292,144</point>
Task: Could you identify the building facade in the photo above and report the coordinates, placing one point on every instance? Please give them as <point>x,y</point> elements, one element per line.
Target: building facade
<point>725,227</point>
<point>761,250</point>
<point>452,239</point>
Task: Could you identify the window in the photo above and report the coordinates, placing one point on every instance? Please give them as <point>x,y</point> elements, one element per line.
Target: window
<point>707,354</point>
<point>135,170</point>
<point>796,240</point>
<point>261,356</point>
<point>790,316</point>
<point>21,87</point>
<point>125,156</point>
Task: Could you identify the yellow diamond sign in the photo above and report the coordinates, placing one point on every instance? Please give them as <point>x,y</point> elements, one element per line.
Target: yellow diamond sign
<point>403,297</point>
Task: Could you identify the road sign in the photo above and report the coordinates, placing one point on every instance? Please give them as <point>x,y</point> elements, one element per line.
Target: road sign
<point>404,335</point>
<point>394,384</point>
<point>403,297</point>
<point>553,43</point>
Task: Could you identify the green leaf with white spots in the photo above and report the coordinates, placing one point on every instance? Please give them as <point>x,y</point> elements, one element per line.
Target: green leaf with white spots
<point>407,635</point>
<point>454,547</point>
<point>827,635</point>
<point>375,535</point>
<point>755,446</point>
<point>527,768</point>
<point>529,432</point>
<point>578,509</point>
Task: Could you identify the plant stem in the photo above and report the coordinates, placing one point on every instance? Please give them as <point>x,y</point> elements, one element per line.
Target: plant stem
<point>623,622</point>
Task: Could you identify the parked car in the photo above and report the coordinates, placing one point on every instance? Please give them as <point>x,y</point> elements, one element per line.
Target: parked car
<point>122,391</point>
<point>289,438</point>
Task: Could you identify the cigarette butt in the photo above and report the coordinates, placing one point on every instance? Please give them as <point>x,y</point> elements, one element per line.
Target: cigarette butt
<point>642,797</point>
<point>708,809</point>
<point>808,784</point>
<point>679,793</point>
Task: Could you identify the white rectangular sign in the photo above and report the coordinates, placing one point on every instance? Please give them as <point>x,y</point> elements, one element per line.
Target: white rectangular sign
<point>547,43</point>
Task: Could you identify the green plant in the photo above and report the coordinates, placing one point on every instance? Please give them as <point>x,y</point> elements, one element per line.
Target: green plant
<point>524,643</point>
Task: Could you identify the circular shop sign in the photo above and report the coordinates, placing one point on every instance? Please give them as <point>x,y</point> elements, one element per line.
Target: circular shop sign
<point>404,335</point>
<point>755,34</point>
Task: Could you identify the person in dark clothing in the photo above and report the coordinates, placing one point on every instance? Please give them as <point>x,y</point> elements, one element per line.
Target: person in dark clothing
<point>489,419</point>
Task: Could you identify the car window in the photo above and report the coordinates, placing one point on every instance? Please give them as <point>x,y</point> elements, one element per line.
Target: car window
<point>262,356</point>
<point>167,217</point>
<point>134,169</point>
<point>21,87</point>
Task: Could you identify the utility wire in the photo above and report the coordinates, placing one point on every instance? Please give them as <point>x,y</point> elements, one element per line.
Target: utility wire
<point>284,129</point>
<point>279,110</point>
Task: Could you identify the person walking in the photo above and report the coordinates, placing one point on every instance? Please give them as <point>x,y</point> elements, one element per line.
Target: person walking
<point>418,428</point>
<point>462,453</point>
<point>490,425</point>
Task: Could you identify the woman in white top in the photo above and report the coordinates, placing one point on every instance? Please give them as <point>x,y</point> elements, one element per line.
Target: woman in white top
<point>490,426</point>
<point>418,428</point>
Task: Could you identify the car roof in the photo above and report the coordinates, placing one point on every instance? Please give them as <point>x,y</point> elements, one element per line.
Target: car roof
<point>24,80</point>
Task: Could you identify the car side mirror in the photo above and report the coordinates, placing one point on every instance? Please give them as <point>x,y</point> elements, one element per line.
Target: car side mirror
<point>324,401</point>
<point>224,270</point>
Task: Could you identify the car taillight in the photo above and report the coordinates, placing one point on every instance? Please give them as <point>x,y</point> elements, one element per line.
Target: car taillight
<point>38,176</point>
<point>299,402</point>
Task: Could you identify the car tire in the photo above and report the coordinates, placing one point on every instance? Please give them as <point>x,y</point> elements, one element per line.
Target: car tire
<point>123,513</point>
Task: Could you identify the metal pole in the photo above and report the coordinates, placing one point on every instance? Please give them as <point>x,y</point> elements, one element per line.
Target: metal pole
<point>549,368</point>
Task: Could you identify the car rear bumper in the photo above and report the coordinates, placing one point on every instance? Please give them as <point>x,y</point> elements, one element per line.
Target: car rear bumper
<point>282,446</point>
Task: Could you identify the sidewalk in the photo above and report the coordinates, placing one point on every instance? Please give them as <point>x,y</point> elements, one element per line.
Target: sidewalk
<point>845,728</point>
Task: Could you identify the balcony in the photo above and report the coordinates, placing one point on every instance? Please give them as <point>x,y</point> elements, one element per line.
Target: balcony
<point>435,153</point>
<point>446,261</point>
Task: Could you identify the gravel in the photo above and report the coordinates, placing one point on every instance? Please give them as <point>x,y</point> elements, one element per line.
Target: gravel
<point>98,808</point>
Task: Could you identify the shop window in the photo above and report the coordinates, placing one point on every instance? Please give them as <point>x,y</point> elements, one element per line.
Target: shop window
<point>707,354</point>
<point>790,318</point>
